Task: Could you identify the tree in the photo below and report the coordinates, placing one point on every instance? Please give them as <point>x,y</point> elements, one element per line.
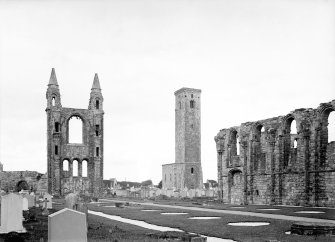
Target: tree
<point>160,185</point>
<point>146,183</point>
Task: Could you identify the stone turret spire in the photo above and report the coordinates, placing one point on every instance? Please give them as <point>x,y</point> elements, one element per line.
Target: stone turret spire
<point>53,78</point>
<point>96,83</point>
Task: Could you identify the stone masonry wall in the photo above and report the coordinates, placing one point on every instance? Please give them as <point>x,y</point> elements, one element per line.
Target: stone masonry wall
<point>275,165</point>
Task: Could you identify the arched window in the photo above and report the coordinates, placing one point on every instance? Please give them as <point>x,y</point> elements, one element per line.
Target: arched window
<point>97,104</point>
<point>192,170</point>
<point>192,104</point>
<point>65,165</point>
<point>84,168</point>
<point>237,146</point>
<point>191,95</point>
<point>75,168</point>
<point>57,127</point>
<point>53,101</point>
<point>289,137</point>
<point>75,130</point>
<point>295,143</point>
<point>331,127</point>
<point>293,127</point>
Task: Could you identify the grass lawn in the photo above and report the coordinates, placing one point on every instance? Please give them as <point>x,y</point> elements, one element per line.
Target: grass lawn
<point>215,228</point>
<point>103,229</point>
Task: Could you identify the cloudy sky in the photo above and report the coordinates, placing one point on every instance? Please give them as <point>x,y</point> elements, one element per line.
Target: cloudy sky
<point>253,59</point>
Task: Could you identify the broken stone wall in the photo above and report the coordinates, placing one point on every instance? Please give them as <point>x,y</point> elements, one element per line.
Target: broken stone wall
<point>276,165</point>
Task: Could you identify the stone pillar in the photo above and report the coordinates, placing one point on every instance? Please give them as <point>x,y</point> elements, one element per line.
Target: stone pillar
<point>306,136</point>
<point>80,168</point>
<point>272,143</point>
<point>316,165</point>
<point>280,169</point>
<point>71,168</point>
<point>245,172</point>
<point>219,165</point>
<point>57,173</point>
<point>251,170</point>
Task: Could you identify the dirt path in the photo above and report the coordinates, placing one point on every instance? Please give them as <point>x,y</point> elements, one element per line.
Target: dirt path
<point>261,215</point>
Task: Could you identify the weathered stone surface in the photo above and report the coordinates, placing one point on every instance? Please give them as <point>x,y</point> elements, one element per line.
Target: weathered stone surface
<point>60,150</point>
<point>186,172</point>
<point>304,228</point>
<point>11,213</point>
<point>264,166</point>
<point>67,225</point>
<point>11,180</point>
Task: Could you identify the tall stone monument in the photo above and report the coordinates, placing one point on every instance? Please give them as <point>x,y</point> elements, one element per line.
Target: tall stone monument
<point>62,154</point>
<point>186,172</point>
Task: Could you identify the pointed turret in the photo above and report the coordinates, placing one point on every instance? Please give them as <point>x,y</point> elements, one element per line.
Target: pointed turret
<point>53,78</point>
<point>96,98</point>
<point>96,83</point>
<point>53,94</point>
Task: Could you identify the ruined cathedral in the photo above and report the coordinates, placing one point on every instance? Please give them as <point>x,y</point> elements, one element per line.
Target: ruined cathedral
<point>74,166</point>
<point>186,172</point>
<point>265,162</point>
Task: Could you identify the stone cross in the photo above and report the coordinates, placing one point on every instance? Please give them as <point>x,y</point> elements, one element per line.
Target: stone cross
<point>45,210</point>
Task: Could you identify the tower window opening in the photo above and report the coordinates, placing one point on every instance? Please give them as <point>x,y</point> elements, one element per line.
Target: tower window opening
<point>56,127</point>
<point>237,146</point>
<point>53,101</point>
<point>56,149</point>
<point>65,165</point>
<point>84,168</point>
<point>97,104</point>
<point>295,143</point>
<point>97,151</point>
<point>294,127</point>
<point>331,127</point>
<point>75,130</point>
<point>192,104</point>
<point>192,126</point>
<point>75,168</point>
<point>191,95</point>
<point>96,130</point>
<point>192,170</point>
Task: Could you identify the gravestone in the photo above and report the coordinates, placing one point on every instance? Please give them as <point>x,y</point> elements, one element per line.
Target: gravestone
<point>71,201</point>
<point>24,204</point>
<point>11,213</point>
<point>67,225</point>
<point>49,198</point>
<point>31,200</point>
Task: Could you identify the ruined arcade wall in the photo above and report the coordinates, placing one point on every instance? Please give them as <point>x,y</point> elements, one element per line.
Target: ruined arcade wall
<point>262,162</point>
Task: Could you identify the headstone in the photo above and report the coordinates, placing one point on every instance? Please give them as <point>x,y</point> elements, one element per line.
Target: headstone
<point>45,207</point>
<point>31,200</point>
<point>67,225</point>
<point>24,204</point>
<point>49,198</point>
<point>11,213</point>
<point>71,201</point>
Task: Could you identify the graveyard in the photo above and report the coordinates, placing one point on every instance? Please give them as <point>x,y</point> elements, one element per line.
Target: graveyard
<point>121,219</point>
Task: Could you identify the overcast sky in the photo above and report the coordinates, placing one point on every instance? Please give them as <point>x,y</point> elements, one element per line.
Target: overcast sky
<point>252,60</point>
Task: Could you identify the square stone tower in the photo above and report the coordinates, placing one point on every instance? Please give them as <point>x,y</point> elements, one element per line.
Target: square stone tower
<point>186,172</point>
